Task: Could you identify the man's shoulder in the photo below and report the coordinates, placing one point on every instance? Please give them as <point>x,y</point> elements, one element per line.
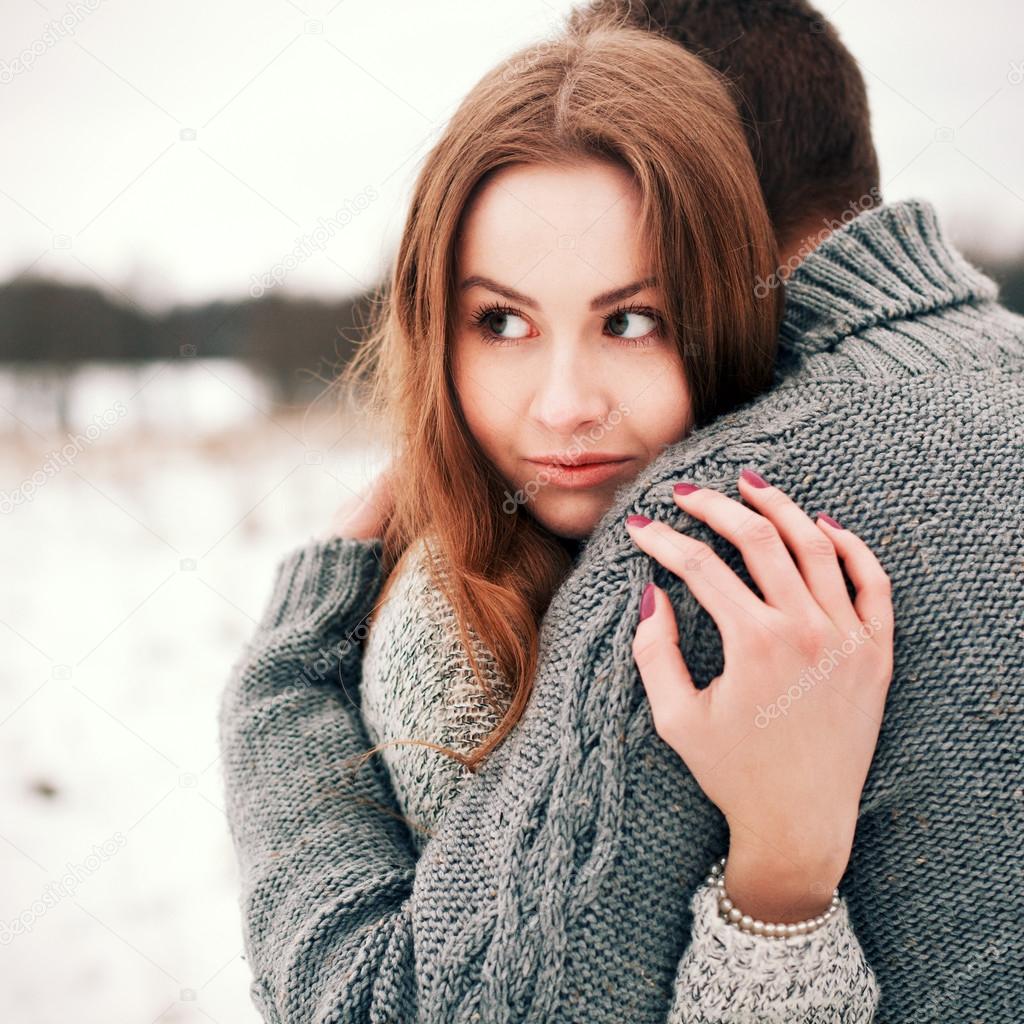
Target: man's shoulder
<point>828,425</point>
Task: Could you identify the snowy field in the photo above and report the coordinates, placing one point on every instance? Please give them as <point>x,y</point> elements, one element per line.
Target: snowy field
<point>136,558</point>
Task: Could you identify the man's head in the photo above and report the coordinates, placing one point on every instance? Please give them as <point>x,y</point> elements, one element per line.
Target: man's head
<point>801,95</point>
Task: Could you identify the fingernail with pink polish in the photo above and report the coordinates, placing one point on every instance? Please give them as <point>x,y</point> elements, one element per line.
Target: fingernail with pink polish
<point>754,478</point>
<point>647,601</point>
<point>638,520</point>
<point>829,521</point>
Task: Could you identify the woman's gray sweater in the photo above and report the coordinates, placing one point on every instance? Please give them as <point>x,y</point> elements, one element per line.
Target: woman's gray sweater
<point>559,886</point>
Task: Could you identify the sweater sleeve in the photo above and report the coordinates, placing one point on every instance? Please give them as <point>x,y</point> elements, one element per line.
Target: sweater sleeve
<point>325,876</point>
<point>327,879</point>
<point>728,976</point>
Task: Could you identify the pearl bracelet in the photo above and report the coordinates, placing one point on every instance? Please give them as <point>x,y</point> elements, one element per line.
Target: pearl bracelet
<point>734,916</point>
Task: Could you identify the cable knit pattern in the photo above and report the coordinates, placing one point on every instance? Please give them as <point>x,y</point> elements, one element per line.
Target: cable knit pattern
<point>418,683</point>
<point>564,881</point>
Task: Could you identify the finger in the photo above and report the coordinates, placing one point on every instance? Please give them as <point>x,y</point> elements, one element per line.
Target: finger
<point>873,602</point>
<point>725,597</point>
<point>815,555</point>
<point>770,564</point>
<point>667,680</point>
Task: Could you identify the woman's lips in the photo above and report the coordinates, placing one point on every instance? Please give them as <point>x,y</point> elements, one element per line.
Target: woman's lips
<point>581,476</point>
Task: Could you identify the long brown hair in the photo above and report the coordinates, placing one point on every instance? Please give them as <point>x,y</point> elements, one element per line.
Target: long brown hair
<point>610,92</point>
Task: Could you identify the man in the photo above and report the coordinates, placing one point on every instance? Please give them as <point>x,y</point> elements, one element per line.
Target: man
<point>946,783</point>
<point>898,408</point>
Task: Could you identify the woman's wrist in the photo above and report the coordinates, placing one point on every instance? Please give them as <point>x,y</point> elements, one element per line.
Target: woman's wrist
<point>773,887</point>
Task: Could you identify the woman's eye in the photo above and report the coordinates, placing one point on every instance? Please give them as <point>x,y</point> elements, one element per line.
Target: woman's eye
<point>630,324</point>
<point>502,324</point>
<point>505,325</point>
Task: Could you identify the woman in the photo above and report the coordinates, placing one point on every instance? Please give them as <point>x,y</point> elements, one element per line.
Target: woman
<point>575,278</point>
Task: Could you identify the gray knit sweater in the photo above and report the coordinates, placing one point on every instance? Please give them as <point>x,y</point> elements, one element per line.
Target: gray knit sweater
<point>418,683</point>
<point>559,885</point>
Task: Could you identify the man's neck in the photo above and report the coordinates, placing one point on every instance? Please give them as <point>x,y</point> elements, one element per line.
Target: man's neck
<point>801,241</point>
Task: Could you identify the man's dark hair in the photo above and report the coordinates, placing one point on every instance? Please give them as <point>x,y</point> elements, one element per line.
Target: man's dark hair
<point>799,90</point>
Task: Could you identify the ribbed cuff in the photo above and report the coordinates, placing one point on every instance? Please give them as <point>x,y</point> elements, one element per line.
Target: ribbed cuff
<point>335,580</point>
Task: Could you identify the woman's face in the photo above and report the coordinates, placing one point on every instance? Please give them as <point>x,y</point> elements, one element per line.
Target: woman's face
<point>559,349</point>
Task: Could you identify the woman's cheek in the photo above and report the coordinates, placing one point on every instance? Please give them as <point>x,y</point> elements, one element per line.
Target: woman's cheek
<point>659,399</point>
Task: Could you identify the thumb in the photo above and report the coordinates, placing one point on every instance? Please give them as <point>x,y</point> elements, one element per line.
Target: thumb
<point>670,689</point>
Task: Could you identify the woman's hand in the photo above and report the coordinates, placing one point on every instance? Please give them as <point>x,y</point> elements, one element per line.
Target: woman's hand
<point>782,740</point>
<point>364,516</point>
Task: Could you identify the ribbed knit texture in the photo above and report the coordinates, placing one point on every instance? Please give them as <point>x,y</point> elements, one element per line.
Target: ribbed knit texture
<point>559,886</point>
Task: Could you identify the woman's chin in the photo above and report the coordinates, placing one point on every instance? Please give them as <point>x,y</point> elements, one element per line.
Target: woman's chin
<point>573,517</point>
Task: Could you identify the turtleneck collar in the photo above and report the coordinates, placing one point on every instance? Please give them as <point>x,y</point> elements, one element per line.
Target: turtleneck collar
<point>888,263</point>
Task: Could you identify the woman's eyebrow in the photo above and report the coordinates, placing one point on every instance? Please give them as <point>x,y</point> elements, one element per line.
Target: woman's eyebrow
<point>604,299</point>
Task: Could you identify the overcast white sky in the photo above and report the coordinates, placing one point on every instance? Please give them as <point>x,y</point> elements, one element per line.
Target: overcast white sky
<point>173,151</point>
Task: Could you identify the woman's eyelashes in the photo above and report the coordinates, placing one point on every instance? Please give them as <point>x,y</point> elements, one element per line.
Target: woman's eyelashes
<point>625,322</point>
<point>499,316</point>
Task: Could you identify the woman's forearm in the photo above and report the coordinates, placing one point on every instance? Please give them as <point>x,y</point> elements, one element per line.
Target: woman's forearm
<point>773,886</point>
<point>326,872</point>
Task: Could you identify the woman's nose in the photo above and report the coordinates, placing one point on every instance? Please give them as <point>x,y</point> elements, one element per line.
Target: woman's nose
<point>569,394</point>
